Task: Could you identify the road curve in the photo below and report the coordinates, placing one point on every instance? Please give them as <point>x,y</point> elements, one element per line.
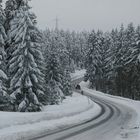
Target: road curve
<point>107,124</point>
<point>112,118</point>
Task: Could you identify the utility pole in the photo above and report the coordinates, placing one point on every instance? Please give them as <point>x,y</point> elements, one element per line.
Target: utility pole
<point>56,23</point>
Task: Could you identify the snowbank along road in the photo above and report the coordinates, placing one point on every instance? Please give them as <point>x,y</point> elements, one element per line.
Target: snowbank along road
<point>107,125</point>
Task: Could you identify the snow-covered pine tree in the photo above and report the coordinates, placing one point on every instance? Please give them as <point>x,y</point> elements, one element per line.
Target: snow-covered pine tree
<point>90,72</point>
<point>101,59</point>
<point>125,61</point>
<point>107,64</point>
<point>63,57</point>
<point>67,87</point>
<point>75,49</point>
<point>53,79</point>
<point>105,61</point>
<point>55,42</point>
<point>119,51</point>
<point>61,49</point>
<point>129,68</point>
<point>83,37</point>
<point>10,7</point>
<point>93,61</point>
<point>25,61</point>
<point>132,65</point>
<point>138,34</point>
<point>68,44</point>
<point>4,97</point>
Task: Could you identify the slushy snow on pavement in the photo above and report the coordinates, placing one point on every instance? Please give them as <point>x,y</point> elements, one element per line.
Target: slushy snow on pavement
<point>132,130</point>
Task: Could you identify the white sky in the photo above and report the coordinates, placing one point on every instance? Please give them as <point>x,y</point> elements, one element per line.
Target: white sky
<point>86,14</point>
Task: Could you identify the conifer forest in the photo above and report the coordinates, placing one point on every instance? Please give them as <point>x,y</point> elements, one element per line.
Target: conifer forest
<point>35,64</point>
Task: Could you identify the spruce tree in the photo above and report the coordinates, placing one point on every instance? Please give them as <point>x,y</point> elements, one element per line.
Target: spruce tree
<point>106,63</point>
<point>67,87</point>
<point>138,34</point>
<point>119,60</point>
<point>10,7</point>
<point>4,97</point>
<point>93,61</point>
<point>25,61</point>
<point>53,79</point>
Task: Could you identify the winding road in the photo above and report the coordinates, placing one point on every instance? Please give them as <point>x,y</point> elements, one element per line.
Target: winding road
<point>105,126</point>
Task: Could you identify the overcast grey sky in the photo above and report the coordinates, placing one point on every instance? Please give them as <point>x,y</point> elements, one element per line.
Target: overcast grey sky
<point>86,14</point>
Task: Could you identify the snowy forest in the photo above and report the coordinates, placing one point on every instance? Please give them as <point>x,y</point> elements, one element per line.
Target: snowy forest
<point>35,65</point>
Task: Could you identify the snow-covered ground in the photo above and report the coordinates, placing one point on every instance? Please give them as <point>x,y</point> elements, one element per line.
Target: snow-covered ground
<point>78,74</point>
<point>132,130</point>
<point>74,110</point>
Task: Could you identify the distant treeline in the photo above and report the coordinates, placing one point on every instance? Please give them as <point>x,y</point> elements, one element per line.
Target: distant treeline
<point>113,61</point>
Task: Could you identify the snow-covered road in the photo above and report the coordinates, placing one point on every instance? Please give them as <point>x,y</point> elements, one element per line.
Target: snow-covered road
<point>108,125</point>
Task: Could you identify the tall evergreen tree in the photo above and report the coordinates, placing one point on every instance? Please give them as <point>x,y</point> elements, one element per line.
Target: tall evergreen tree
<point>67,87</point>
<point>4,98</point>
<point>93,61</point>
<point>138,33</point>
<point>119,60</point>
<point>10,7</point>
<point>106,62</point>
<point>25,61</point>
<point>53,79</point>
